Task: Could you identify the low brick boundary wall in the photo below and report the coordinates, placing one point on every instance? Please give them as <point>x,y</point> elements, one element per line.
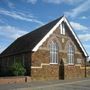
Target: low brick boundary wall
<point>17,79</point>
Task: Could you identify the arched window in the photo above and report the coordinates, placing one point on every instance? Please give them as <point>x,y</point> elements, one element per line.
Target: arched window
<point>70,54</point>
<point>53,52</point>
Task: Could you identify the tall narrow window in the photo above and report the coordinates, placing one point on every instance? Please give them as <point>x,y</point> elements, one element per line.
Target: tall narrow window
<point>53,52</point>
<point>62,28</point>
<point>70,54</point>
<point>23,59</point>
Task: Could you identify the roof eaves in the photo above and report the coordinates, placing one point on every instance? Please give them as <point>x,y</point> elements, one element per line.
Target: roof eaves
<point>77,39</point>
<point>53,29</point>
<point>47,35</point>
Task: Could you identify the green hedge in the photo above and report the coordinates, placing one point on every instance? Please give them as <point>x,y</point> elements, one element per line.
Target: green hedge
<point>17,69</point>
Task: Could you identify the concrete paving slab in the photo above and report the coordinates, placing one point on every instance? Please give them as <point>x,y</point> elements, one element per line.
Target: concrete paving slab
<point>81,84</point>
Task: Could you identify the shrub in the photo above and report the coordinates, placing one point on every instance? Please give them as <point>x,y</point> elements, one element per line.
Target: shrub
<point>17,69</point>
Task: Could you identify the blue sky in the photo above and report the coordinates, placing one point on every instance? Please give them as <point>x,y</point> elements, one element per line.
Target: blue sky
<point>18,17</point>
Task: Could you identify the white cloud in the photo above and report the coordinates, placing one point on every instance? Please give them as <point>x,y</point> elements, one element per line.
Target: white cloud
<point>31,1</point>
<point>11,32</point>
<point>20,16</point>
<point>62,1</point>
<point>78,26</point>
<point>80,9</point>
<point>73,1</point>
<point>83,17</point>
<point>55,1</point>
<point>84,37</point>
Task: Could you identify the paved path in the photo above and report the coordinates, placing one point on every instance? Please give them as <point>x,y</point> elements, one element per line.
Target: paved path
<point>83,84</point>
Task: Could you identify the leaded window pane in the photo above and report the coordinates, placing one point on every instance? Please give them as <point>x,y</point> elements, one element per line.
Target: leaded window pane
<point>70,54</point>
<point>53,52</point>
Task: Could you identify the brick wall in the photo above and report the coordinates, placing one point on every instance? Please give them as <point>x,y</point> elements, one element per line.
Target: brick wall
<point>47,72</point>
<point>38,63</point>
<point>57,71</point>
<point>73,72</point>
<point>18,79</point>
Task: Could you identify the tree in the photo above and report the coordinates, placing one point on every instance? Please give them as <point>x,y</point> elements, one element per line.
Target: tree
<point>17,69</point>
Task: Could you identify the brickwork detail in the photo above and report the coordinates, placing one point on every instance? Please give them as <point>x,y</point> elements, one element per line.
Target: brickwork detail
<point>40,71</point>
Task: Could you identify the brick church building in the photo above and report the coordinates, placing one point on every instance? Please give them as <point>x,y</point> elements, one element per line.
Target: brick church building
<point>51,52</point>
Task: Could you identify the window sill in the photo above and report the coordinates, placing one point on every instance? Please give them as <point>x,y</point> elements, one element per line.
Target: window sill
<point>71,64</point>
<point>53,63</point>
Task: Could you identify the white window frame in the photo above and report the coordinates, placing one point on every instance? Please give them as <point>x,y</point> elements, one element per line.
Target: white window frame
<point>53,53</point>
<point>62,28</point>
<point>70,54</point>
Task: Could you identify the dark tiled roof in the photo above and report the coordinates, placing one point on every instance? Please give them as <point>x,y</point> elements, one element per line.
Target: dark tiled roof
<point>29,41</point>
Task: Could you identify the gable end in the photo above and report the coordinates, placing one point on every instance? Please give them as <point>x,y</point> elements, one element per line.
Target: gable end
<point>63,19</point>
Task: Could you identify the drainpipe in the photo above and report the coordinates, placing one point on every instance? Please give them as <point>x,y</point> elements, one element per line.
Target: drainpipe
<point>86,66</point>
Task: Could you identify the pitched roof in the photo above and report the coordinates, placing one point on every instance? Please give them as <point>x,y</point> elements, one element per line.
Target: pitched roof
<point>33,40</point>
<point>63,19</point>
<point>29,41</point>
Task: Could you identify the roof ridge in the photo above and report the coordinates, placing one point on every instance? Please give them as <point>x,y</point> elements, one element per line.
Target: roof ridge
<point>42,26</point>
<point>28,41</point>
